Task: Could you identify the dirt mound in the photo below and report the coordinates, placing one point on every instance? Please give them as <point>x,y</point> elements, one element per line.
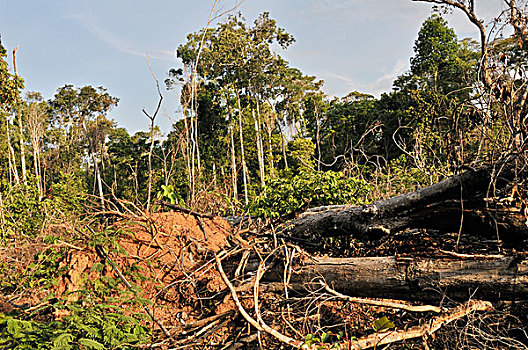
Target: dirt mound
<point>167,257</point>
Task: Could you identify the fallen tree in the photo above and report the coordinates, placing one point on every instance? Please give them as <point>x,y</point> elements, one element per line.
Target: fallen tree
<point>479,201</point>
<point>419,279</point>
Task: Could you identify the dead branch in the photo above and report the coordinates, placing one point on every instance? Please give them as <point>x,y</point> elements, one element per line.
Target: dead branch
<point>420,331</point>
<point>384,302</point>
<point>261,327</point>
<point>185,210</point>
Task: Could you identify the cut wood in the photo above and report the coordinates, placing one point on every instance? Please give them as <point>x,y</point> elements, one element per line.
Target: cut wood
<point>423,279</point>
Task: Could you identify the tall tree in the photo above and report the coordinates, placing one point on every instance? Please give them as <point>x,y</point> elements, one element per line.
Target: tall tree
<point>10,87</point>
<point>80,118</point>
<point>247,79</point>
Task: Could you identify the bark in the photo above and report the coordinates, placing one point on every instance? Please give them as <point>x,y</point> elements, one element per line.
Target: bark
<point>22,148</point>
<point>233,159</point>
<point>242,152</point>
<point>424,279</point>
<point>465,203</point>
<point>13,172</point>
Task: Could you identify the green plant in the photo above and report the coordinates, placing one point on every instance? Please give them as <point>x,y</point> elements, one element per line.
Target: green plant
<point>42,272</point>
<point>382,325</point>
<point>25,211</point>
<point>170,194</point>
<point>290,194</point>
<point>327,340</point>
<point>89,325</point>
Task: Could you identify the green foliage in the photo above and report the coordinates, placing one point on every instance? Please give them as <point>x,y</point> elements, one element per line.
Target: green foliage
<point>290,194</point>
<point>87,326</point>
<point>327,340</point>
<point>42,272</point>
<point>382,324</point>
<point>10,85</point>
<point>168,193</point>
<point>300,154</point>
<point>25,210</point>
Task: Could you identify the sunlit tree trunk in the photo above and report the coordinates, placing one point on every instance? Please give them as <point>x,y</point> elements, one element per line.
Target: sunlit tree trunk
<point>22,148</point>
<point>13,172</point>
<point>35,130</point>
<point>20,128</point>
<point>260,151</point>
<point>242,153</point>
<point>233,159</point>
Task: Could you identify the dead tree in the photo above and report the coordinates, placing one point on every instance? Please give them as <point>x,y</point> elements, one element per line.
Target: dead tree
<point>477,201</point>
<point>419,279</point>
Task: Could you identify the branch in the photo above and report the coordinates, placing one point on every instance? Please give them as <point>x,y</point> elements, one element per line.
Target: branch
<point>423,330</point>
<point>383,302</point>
<point>261,327</point>
<point>159,93</point>
<point>185,210</point>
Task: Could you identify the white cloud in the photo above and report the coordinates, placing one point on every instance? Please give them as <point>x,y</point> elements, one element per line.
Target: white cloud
<point>88,21</point>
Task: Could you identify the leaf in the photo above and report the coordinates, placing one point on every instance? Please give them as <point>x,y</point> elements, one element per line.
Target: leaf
<point>382,324</point>
<point>13,327</point>
<point>62,342</point>
<point>324,337</point>
<point>91,344</point>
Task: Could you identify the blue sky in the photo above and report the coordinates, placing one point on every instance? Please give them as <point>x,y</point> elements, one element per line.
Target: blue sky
<point>350,44</point>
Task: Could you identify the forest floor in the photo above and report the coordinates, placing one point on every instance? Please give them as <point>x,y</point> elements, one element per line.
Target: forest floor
<point>171,260</point>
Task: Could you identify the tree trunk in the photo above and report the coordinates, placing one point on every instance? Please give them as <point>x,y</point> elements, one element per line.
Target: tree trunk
<point>233,158</point>
<point>22,148</point>
<point>242,152</point>
<point>260,148</point>
<point>13,172</point>
<point>492,278</point>
<point>462,203</point>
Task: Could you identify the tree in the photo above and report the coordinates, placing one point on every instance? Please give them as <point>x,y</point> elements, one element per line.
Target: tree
<point>431,111</point>
<point>79,118</point>
<point>10,86</point>
<point>248,84</point>
<point>502,74</point>
<point>37,122</point>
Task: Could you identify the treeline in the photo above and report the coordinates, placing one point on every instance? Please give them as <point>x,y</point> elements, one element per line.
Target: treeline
<point>257,132</point>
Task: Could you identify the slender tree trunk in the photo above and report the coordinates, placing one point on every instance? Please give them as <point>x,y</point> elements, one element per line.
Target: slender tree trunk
<point>242,153</point>
<point>233,159</point>
<point>260,151</point>
<point>186,151</point>
<point>150,163</point>
<point>97,173</point>
<point>20,128</point>
<point>318,137</point>
<point>22,148</point>
<point>37,168</point>
<point>283,143</point>
<point>99,181</point>
<point>11,157</point>
<point>272,121</point>
<point>263,166</point>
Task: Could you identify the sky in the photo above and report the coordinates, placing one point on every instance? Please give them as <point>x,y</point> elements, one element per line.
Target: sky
<point>353,45</point>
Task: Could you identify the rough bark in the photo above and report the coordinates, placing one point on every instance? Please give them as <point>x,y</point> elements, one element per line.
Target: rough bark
<point>467,202</point>
<point>424,279</point>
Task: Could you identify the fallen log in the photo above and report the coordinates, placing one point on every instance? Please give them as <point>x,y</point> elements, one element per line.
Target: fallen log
<point>466,203</point>
<point>421,279</point>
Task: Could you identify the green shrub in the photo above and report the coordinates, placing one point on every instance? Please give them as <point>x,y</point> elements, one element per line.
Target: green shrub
<point>96,326</point>
<point>24,211</point>
<point>293,193</point>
